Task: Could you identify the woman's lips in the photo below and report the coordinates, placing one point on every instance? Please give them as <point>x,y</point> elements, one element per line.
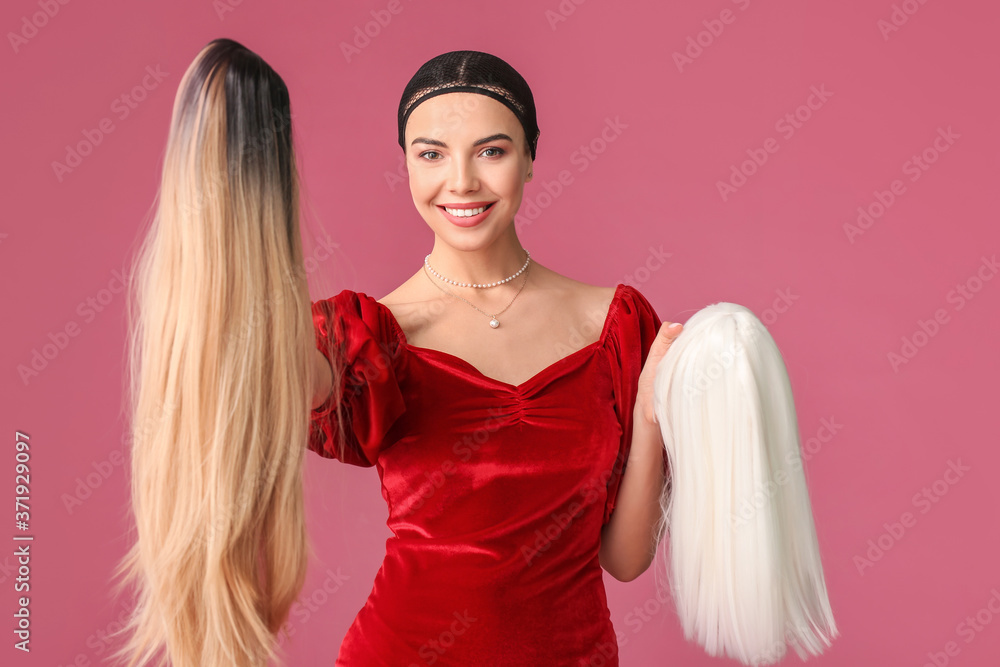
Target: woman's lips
<point>463,219</point>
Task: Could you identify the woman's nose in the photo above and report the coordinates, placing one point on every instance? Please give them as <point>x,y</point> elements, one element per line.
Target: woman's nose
<point>462,177</point>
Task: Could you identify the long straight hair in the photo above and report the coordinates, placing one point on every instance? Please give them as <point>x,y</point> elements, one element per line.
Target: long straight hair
<point>220,377</point>
<point>744,568</point>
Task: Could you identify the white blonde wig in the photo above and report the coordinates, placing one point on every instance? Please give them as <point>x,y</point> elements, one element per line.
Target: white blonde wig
<point>744,568</point>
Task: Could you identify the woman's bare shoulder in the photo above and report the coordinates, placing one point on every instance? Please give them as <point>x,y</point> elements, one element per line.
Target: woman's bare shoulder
<point>410,305</point>
<point>576,295</point>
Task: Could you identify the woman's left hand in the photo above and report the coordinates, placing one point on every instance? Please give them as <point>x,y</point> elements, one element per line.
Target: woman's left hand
<point>644,398</point>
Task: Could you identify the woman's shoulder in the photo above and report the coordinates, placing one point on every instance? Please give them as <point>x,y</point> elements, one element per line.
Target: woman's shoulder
<point>621,313</point>
<point>637,302</point>
<point>624,308</point>
<point>562,289</point>
<point>615,300</point>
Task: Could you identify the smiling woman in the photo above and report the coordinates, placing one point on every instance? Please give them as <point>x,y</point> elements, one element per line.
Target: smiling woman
<point>500,447</point>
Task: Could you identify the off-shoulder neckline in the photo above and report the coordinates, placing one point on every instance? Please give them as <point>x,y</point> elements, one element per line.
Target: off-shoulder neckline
<point>609,318</point>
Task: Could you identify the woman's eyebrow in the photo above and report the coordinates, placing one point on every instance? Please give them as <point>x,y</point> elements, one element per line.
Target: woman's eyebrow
<point>478,142</point>
<point>432,142</point>
<point>493,137</point>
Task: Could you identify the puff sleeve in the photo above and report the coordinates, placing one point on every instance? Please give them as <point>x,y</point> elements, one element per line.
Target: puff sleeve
<point>636,325</point>
<point>353,330</point>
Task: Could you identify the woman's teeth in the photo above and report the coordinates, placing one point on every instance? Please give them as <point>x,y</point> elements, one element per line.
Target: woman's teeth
<point>465,212</point>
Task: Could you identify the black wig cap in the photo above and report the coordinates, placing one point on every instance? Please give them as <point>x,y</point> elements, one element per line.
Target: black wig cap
<point>471,72</point>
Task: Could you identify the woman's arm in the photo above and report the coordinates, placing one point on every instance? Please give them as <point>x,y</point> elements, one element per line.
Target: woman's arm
<point>324,379</point>
<point>628,541</point>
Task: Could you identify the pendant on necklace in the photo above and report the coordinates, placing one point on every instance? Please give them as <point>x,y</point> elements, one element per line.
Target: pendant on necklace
<point>494,323</point>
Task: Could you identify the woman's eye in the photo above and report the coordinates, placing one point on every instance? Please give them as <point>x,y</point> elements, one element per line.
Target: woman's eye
<point>427,154</point>
<point>497,152</point>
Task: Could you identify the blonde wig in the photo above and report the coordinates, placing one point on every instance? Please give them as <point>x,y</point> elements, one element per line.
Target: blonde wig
<point>744,568</point>
<point>220,378</point>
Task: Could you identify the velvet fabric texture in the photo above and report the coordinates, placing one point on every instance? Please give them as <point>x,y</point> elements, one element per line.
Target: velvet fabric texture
<point>496,492</point>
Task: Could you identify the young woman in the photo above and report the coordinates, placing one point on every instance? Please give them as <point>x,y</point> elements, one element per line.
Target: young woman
<point>507,408</point>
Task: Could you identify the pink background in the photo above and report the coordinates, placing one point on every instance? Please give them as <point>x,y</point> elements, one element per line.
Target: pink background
<point>838,307</point>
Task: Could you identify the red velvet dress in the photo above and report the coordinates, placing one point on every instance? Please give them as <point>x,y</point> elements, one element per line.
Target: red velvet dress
<point>496,492</point>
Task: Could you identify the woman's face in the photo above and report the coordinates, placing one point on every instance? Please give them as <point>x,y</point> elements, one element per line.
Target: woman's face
<point>466,152</point>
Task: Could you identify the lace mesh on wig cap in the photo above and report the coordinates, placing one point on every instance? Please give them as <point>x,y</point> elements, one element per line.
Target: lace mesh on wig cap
<point>471,72</point>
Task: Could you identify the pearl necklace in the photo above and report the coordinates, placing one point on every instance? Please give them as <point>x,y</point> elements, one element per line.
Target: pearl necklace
<point>494,322</point>
<point>454,282</point>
